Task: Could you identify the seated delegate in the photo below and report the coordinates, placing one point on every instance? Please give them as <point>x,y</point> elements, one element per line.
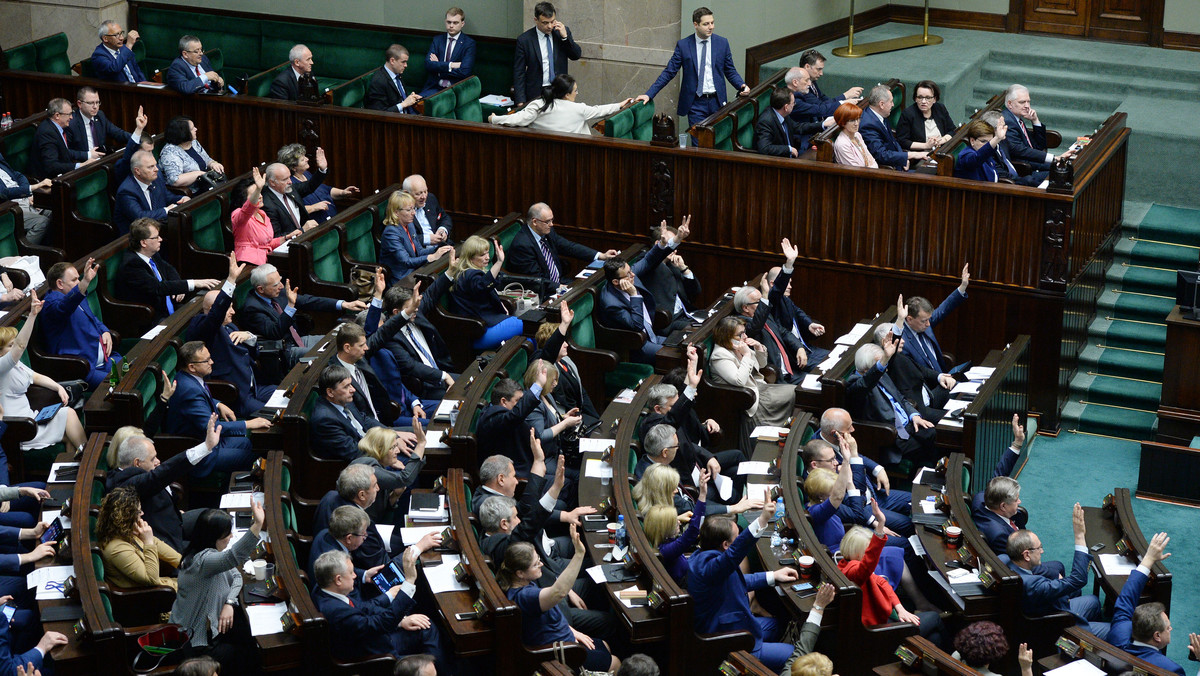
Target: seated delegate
<point>474,292</point>
<point>849,148</point>
<point>401,245</point>
<point>319,203</point>
<point>926,124</point>
<point>183,159</point>
<point>978,160</point>
<point>557,110</point>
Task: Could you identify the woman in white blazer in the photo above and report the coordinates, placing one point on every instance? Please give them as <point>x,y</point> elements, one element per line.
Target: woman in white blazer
<point>557,110</point>
<point>736,360</point>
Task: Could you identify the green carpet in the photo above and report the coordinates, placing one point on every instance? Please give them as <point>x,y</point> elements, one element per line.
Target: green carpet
<point>1098,465</point>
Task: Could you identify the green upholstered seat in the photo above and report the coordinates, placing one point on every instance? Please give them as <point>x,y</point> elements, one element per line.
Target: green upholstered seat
<point>208,229</point>
<point>507,235</point>
<point>327,262</point>
<point>351,94</point>
<point>285,479</point>
<point>22,57</point>
<point>466,95</point>
<point>17,147</point>
<point>91,197</point>
<point>635,122</point>
<point>8,233</point>
<point>897,107</point>
<point>583,334</point>
<point>259,84</point>
<point>52,54</point>
<point>723,133</point>
<point>442,104</point>
<point>744,117</point>
<point>360,237</point>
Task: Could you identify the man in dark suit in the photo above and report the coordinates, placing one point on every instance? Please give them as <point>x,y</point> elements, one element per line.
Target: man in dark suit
<point>190,72</point>
<point>791,318</point>
<point>52,154</point>
<point>1042,595</point>
<point>234,351</point>
<point>919,319</point>
<point>283,200</point>
<point>15,187</point>
<point>569,393</point>
<point>811,103</point>
<point>435,224</point>
<point>286,85</point>
<point>537,250</point>
<point>418,347</point>
<point>386,91</point>
<point>1027,144</point>
<point>385,624</point>
<point>542,52</point>
<point>68,324</point>
<point>872,396</point>
<point>675,289</point>
<point>707,62</point>
<point>344,532</point>
<point>1003,162</point>
<point>336,425</point>
<point>777,133</point>
<point>139,468</point>
<point>928,389</point>
<point>266,317</point>
<point>113,58</point>
<point>625,303</point>
<point>192,405</point>
<point>356,486</point>
<point>785,352</point>
<point>91,129</point>
<point>503,422</point>
<point>451,57</point>
<point>145,277</point>
<point>144,194</point>
<point>877,132</point>
<point>872,481</point>
<point>1144,631</point>
<point>370,396</point>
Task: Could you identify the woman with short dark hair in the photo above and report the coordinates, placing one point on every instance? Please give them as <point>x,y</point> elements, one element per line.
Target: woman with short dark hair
<point>557,110</point>
<point>319,204</point>
<point>182,158</point>
<point>849,148</point>
<point>926,124</point>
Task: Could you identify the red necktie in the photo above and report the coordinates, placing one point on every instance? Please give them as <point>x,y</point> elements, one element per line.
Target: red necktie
<point>783,355</point>
<point>350,601</point>
<point>1013,524</point>
<point>295,334</point>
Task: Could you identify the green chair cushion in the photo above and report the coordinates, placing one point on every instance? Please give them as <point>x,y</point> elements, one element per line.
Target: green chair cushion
<point>327,263</point>
<point>360,237</point>
<point>8,233</point>
<point>22,57</point>
<point>466,95</point>
<point>208,230</point>
<point>17,147</point>
<point>723,133</point>
<point>52,55</point>
<point>442,104</point>
<point>91,197</point>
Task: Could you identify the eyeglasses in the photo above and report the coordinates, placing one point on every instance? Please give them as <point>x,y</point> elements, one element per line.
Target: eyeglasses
<point>359,535</point>
<point>198,50</point>
<point>924,98</point>
<point>1036,549</point>
<point>115,35</point>
<point>547,221</point>
<point>90,103</point>
<point>202,361</point>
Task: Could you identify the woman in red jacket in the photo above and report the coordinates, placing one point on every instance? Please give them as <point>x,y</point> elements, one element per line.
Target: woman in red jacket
<point>860,554</point>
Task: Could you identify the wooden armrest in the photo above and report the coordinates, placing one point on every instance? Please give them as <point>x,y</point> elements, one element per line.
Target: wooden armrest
<point>1053,139</point>
<point>224,391</point>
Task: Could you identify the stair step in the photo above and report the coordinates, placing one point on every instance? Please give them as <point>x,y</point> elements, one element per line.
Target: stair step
<point>1082,67</point>
<point>1117,87</point>
<point>1047,97</point>
<point>1102,389</point>
<point>1109,420</point>
<point>1134,306</point>
<point>1171,224</point>
<point>1142,279</point>
<point>1133,335</point>
<point>1156,254</point>
<point>1128,363</point>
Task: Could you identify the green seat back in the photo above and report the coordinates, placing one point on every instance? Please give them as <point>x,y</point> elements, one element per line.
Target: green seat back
<point>516,366</point>
<point>147,386</point>
<point>620,125</point>
<point>259,84</point>
<point>93,520</point>
<point>285,479</point>
<point>582,332</point>
<point>351,94</point>
<point>91,197</point>
<point>17,147</point>
<point>289,516</point>
<point>442,104</point>
<point>325,84</point>
<point>507,235</point>
<point>168,359</point>
<point>360,237</point>
<point>309,402</point>
<point>52,55</point>
<point>22,57</point>
<point>466,96</point>
<point>85,68</point>
<point>633,458</point>
<point>327,262</point>
<point>208,230</point>
<point>112,265</point>
<point>643,121</point>
<point>240,293</point>
<point>8,233</point>
<point>107,603</point>
<point>723,133</point>
<point>897,107</point>
<point>467,491</point>
<point>98,564</point>
<point>98,487</point>
<point>745,126</point>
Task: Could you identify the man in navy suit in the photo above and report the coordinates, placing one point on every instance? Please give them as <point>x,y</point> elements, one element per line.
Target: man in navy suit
<point>919,318</point>
<point>15,187</point>
<point>1144,631</point>
<point>353,345</point>
<point>719,589</point>
<point>270,313</point>
<point>503,424</point>
<point>345,532</point>
<point>146,277</point>
<point>68,325</point>
<point>451,56</point>
<point>872,396</point>
<point>386,91</point>
<point>418,347</point>
<point>792,319</point>
<point>286,85</point>
<point>707,63</point>
<point>877,132</point>
<point>811,103</point>
<point>91,128</point>
<point>52,154</point>
<point>1042,595</point>
<point>1027,144</point>
<point>144,194</point>
<point>777,133</point>
<point>191,72</point>
<point>435,224</point>
<point>336,425</point>
<point>192,405</point>
<point>113,58</point>
<point>356,486</point>
<point>537,250</point>
<point>542,52</point>
<point>625,303</point>
<point>234,351</point>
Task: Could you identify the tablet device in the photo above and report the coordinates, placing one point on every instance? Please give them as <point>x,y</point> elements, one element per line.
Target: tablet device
<point>388,577</point>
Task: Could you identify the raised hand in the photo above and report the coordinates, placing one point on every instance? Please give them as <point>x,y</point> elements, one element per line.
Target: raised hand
<point>1025,659</point>
<point>35,305</point>
<point>499,250</point>
<point>380,282</point>
<point>322,163</point>
<point>901,309</point>
<point>966,278</point>
<point>566,314</point>
<point>292,292</point>
<point>1078,524</point>
<point>702,485</point>
<point>141,120</point>
<point>684,229</point>
<point>414,303</point>
<point>789,252</point>
<point>889,347</point>
<point>235,270</point>
<point>1154,552</point>
<point>212,434</point>
<point>576,541</point>
<point>1018,432</point>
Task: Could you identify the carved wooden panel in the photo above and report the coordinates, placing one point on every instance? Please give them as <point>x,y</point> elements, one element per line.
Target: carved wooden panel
<point>1063,17</point>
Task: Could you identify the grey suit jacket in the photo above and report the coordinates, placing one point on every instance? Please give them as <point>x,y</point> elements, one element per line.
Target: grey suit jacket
<point>808,639</point>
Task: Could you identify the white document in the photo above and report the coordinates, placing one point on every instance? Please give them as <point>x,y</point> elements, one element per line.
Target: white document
<point>56,467</point>
<point>266,618</point>
<point>812,381</point>
<point>48,581</point>
<point>444,408</point>
<point>597,574</point>
<point>585,273</point>
<point>855,333</point>
<point>962,576</point>
<point>589,445</point>
<point>754,467</point>
<point>768,431</point>
<point>385,532</point>
<point>834,357</point>
<point>759,491</point>
<point>496,100</point>
<point>1115,564</point>
<point>980,372</point>
<point>951,423</point>
<point>442,513</point>
<point>966,388</point>
<point>1077,668</point>
<point>50,515</point>
<point>153,332</point>
<point>919,549</point>
<point>278,399</point>
<point>433,439</point>
<point>625,396</point>
<point>411,534</point>
<point>955,404</point>
<point>235,501</point>
<point>282,249</point>
<point>441,577</point>
<point>929,507</point>
<point>723,483</point>
<point>597,469</point>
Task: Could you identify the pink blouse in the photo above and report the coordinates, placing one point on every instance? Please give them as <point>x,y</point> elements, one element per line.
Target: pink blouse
<point>252,231</point>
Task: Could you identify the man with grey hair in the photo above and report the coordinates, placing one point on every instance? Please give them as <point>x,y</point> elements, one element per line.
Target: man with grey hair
<point>811,98</point>
<point>139,468</point>
<point>190,72</point>
<point>358,487</point>
<point>537,248</point>
<point>504,521</point>
<point>785,352</point>
<point>1027,144</point>
<point>1004,166</point>
<point>925,387</point>
<point>433,223</point>
<point>871,396</point>
<point>270,314</point>
<point>346,532</point>
<point>286,85</point>
<point>113,58</point>
<point>144,194</point>
<point>283,200</point>
<point>788,316</point>
<point>996,510</point>
<point>877,132</point>
<point>51,154</point>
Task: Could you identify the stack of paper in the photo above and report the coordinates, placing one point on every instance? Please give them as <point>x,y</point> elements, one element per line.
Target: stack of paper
<point>855,333</point>
<point>441,577</point>
<point>441,513</point>
<point>625,396</point>
<point>966,388</point>
<point>769,431</point>
<point>590,445</point>
<point>265,618</point>
<point>980,372</point>
<point>411,535</point>
<point>812,381</point>
<point>278,399</point>
<point>723,483</point>
<point>433,439</point>
<point>444,408</point>
<point>597,469</point>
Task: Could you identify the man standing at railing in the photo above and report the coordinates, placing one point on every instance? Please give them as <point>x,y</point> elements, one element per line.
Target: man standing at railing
<point>707,63</point>
<point>542,52</point>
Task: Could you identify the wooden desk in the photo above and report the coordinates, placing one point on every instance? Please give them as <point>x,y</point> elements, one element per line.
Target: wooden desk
<point>1107,527</point>
<point>933,660</point>
<point>1104,655</point>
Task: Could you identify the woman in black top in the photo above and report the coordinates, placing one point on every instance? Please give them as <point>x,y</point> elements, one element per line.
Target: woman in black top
<point>926,124</point>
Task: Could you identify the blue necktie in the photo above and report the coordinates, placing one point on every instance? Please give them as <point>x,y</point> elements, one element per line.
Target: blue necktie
<point>412,338</point>
<point>551,268</point>
<point>403,95</point>
<point>154,269</point>
<point>930,352</point>
<point>549,57</point>
<point>900,413</point>
<point>703,65</point>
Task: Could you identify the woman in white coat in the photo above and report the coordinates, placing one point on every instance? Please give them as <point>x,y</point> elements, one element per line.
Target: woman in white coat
<point>736,360</point>
<point>557,110</point>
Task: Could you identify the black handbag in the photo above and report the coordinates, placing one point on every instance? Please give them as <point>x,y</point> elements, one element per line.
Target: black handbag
<point>207,181</point>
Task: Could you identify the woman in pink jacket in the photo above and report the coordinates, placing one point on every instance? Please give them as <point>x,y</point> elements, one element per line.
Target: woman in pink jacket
<point>252,232</point>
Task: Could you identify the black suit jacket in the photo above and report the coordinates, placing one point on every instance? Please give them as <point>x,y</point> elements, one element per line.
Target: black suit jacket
<point>910,377</point>
<point>157,505</point>
<point>524,256</point>
<point>420,379</point>
<point>666,282</point>
<point>911,127</point>
<point>436,217</point>
<point>105,130</point>
<point>382,93</point>
<point>527,61</point>
<point>569,392</point>
<point>372,552</point>
<point>136,283</point>
<point>259,318</point>
<point>691,450</point>
<point>507,433</point>
<point>285,85</point>
<point>281,218</point>
<point>865,401</point>
<point>773,138</point>
<point>51,156</point>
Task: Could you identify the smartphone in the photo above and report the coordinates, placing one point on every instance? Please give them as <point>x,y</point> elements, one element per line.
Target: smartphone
<point>466,616</point>
<point>595,517</point>
<point>388,577</point>
<point>803,587</point>
<point>787,561</point>
<point>1098,546</point>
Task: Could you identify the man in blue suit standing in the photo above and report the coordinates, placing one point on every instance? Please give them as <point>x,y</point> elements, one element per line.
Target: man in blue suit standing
<point>192,405</point>
<point>1042,595</point>
<point>706,62</point>
<point>191,72</point>
<point>719,589</point>
<point>919,318</point>
<point>144,194</point>
<point>68,324</point>
<point>625,303</point>
<point>877,132</point>
<point>113,58</point>
<point>542,52</point>
<point>451,56</point>
<point>1144,631</point>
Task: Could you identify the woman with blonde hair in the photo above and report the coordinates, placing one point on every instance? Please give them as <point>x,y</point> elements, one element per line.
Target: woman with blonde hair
<point>401,247</point>
<point>131,553</point>
<point>556,429</point>
<point>396,468</point>
<point>15,379</point>
<point>474,294</point>
<point>661,525</point>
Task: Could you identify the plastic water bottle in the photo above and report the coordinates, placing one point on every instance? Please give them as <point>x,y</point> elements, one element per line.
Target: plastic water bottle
<point>6,121</point>
<point>776,541</point>
<point>622,535</point>
<point>779,511</point>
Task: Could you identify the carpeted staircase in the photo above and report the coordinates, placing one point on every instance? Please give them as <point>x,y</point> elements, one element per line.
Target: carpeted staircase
<point>1117,388</point>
